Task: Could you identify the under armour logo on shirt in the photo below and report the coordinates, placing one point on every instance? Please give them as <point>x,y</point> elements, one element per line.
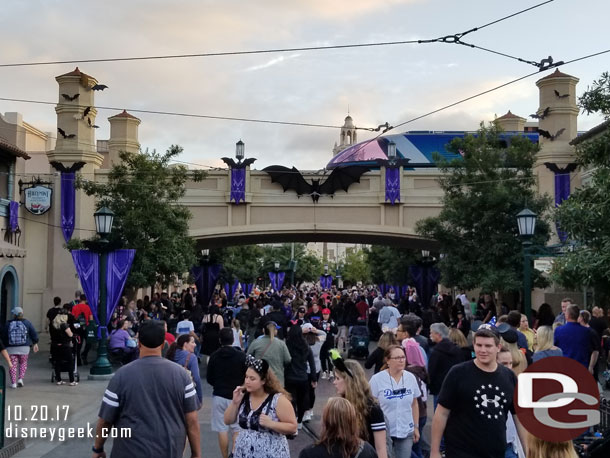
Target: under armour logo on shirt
<point>485,400</point>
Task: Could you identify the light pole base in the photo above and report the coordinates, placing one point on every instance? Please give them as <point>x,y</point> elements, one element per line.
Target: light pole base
<point>100,376</point>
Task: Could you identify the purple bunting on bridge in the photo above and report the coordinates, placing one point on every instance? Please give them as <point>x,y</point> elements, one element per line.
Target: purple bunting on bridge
<point>392,184</point>
<point>238,185</point>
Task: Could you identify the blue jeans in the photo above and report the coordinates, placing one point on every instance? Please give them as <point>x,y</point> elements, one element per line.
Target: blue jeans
<point>402,447</point>
<point>510,453</point>
<point>416,450</point>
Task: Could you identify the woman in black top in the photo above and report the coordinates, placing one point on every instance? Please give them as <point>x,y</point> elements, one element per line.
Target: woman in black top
<point>339,437</point>
<point>376,357</point>
<point>61,331</point>
<point>351,384</point>
<point>297,380</point>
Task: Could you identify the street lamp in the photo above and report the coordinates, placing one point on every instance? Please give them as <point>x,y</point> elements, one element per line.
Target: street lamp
<point>526,222</point>
<point>277,265</point>
<point>104,218</point>
<point>240,148</point>
<point>425,253</point>
<point>325,269</point>
<point>391,150</point>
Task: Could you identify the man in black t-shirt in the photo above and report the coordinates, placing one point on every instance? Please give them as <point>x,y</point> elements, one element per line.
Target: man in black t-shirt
<point>53,311</point>
<point>474,401</point>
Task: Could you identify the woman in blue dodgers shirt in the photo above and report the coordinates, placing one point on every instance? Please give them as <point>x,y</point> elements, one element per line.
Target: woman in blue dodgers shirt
<point>397,392</point>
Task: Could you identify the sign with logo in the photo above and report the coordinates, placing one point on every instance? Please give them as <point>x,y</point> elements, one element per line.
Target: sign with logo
<point>38,199</point>
<point>543,265</point>
<point>557,399</point>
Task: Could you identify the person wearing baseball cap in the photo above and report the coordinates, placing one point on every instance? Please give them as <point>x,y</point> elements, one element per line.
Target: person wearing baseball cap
<point>163,425</point>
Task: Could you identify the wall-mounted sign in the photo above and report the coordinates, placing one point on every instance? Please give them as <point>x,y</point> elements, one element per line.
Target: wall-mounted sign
<point>38,199</point>
<point>543,265</point>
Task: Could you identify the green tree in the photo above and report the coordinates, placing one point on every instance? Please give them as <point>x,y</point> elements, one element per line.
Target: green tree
<point>143,192</point>
<point>477,228</point>
<point>355,268</point>
<point>389,264</point>
<point>585,215</point>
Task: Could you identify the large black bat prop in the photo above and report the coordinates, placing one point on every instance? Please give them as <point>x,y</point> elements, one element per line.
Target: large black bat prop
<point>62,168</point>
<point>550,136</point>
<point>238,165</point>
<point>339,178</point>
<point>556,169</point>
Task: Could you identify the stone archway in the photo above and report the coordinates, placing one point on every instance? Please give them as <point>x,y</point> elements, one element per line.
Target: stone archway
<point>9,292</point>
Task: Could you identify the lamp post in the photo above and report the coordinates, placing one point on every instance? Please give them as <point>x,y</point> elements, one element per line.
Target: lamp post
<point>104,218</point>
<point>240,149</point>
<point>276,265</point>
<point>526,222</point>
<point>204,262</point>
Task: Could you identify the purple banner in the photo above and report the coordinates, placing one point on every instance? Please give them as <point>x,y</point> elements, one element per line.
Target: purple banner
<point>562,192</point>
<point>273,278</point>
<point>238,185</point>
<point>68,196</point>
<point>87,266</point>
<point>426,282</point>
<point>13,218</point>
<point>392,184</point>
<point>117,271</point>
<point>326,281</point>
<point>248,289</point>
<point>280,279</point>
<point>205,280</point>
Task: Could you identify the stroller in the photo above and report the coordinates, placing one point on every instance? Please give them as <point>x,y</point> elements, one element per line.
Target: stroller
<point>65,366</point>
<point>358,342</point>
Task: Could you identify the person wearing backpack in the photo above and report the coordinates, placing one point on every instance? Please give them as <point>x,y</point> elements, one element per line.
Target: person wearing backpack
<point>19,335</point>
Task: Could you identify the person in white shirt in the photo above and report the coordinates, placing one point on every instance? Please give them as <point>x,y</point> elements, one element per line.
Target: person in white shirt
<point>397,392</point>
<point>388,318</point>
<point>185,326</point>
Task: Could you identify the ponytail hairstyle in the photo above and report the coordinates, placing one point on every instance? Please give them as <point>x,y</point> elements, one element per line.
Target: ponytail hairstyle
<point>182,340</point>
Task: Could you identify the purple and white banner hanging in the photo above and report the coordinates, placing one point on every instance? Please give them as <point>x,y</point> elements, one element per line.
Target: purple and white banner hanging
<point>205,280</point>
<point>238,185</point>
<point>273,278</point>
<point>87,264</point>
<point>562,192</point>
<point>117,271</point>
<point>280,280</point>
<point>392,184</point>
<point>326,281</point>
<point>13,218</point>
<point>68,197</point>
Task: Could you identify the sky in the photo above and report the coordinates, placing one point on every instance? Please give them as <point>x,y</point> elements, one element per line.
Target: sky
<point>378,84</point>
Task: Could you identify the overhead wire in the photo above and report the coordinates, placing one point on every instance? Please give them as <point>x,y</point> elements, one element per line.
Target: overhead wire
<point>455,38</point>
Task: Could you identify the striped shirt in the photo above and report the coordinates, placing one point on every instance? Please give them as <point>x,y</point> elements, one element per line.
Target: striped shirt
<point>151,396</point>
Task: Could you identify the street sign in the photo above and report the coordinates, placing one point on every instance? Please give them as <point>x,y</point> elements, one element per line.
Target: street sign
<point>543,265</point>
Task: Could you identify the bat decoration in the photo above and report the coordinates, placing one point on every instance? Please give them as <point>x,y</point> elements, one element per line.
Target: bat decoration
<point>99,87</point>
<point>559,170</point>
<point>238,165</point>
<point>86,112</point>
<point>339,178</point>
<point>547,134</point>
<point>543,115</point>
<point>63,169</point>
<point>63,133</point>
<point>93,126</point>
<point>398,162</point>
<point>70,98</point>
<point>561,96</point>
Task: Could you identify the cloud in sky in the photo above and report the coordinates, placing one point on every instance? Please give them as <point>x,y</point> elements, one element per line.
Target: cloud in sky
<point>392,84</point>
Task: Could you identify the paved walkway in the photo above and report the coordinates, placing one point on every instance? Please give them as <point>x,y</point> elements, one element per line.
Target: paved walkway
<point>41,403</point>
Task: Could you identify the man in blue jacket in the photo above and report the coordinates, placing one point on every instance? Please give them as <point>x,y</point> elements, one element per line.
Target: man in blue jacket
<point>574,339</point>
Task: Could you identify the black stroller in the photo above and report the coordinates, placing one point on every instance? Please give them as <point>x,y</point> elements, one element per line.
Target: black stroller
<point>358,342</point>
<point>67,366</point>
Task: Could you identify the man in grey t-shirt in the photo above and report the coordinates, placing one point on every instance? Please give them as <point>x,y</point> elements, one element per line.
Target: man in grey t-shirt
<point>155,399</point>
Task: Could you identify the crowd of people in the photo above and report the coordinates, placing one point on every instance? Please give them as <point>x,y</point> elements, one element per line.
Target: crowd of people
<point>265,355</point>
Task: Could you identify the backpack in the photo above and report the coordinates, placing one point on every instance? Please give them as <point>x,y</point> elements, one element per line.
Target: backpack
<point>17,333</point>
<point>82,320</point>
